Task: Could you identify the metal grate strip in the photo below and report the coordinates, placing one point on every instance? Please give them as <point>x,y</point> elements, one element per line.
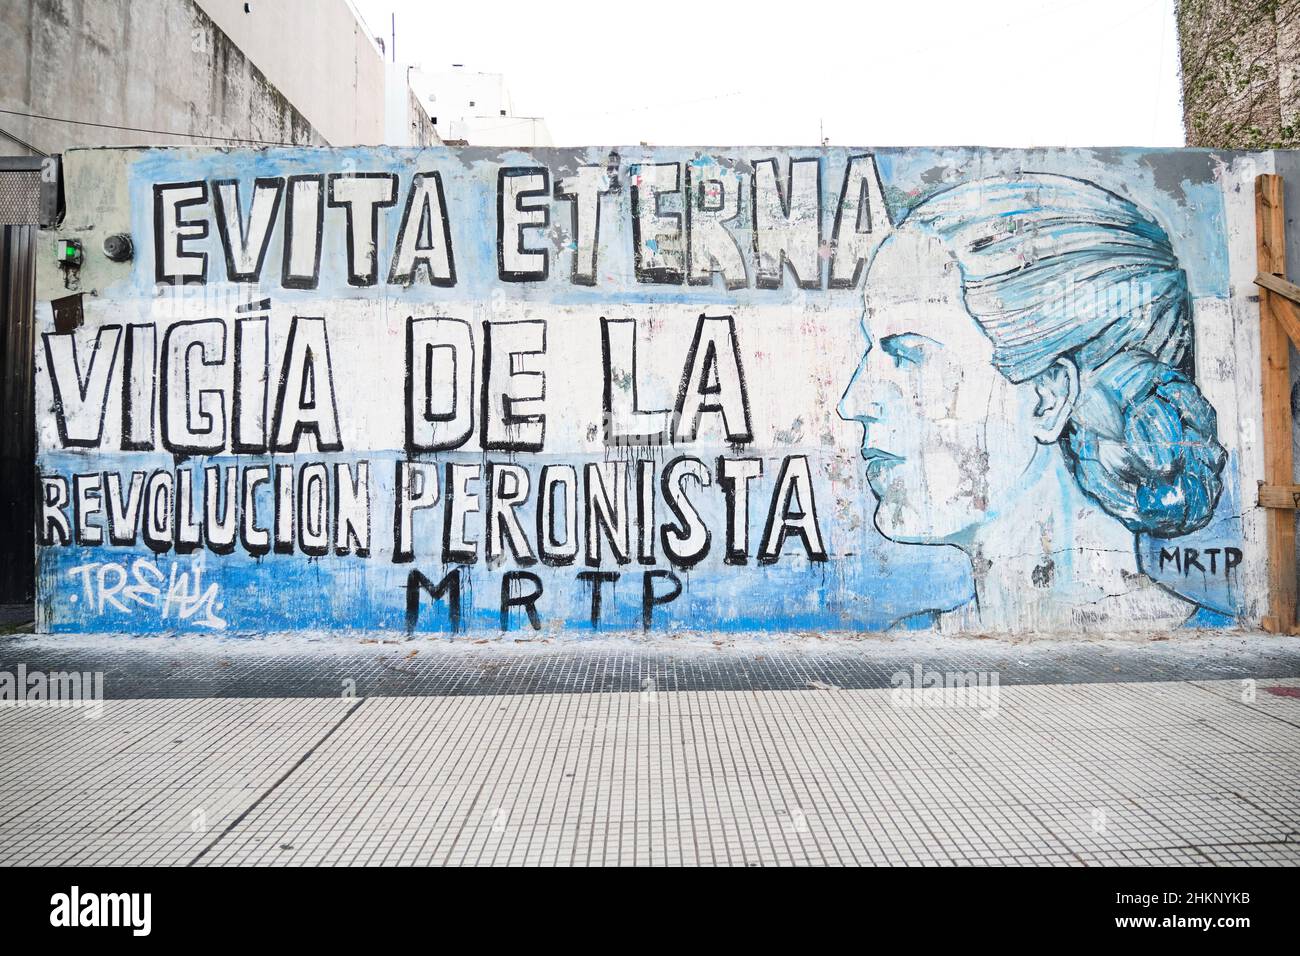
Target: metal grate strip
<point>20,197</point>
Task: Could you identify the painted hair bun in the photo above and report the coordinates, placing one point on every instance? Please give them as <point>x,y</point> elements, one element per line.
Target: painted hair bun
<point>1142,443</point>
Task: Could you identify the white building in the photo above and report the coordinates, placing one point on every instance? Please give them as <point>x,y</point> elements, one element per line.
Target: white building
<point>476,108</point>
<point>406,121</point>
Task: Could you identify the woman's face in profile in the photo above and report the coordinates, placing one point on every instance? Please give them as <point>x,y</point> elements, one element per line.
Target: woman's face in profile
<point>946,436</point>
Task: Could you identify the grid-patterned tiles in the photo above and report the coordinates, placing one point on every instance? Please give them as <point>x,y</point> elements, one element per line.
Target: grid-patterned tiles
<point>1069,775</point>
<point>146,782</point>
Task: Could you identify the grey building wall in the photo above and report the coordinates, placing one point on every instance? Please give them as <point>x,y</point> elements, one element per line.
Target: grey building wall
<point>320,55</point>
<point>423,132</point>
<point>162,68</point>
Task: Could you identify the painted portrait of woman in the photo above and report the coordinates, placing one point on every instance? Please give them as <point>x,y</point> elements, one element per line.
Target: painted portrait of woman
<point>1026,394</point>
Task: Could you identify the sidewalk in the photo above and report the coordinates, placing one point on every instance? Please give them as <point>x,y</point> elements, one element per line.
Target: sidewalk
<point>792,752</point>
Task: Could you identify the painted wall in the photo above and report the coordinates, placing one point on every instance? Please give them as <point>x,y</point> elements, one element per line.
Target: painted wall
<point>740,389</point>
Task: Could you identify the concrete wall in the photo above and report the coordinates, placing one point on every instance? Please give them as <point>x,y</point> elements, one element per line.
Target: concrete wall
<point>336,76</point>
<point>839,390</point>
<point>162,67</point>
<point>419,124</point>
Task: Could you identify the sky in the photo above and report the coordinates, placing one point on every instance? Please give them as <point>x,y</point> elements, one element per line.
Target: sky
<point>856,72</point>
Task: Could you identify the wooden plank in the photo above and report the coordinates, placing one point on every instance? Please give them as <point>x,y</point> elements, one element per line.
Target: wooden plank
<point>1282,287</point>
<point>1286,313</point>
<point>1286,497</point>
<point>1275,382</point>
<point>1270,225</point>
<point>1284,302</point>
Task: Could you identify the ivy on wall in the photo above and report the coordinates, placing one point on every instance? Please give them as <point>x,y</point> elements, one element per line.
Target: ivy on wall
<point>1240,64</point>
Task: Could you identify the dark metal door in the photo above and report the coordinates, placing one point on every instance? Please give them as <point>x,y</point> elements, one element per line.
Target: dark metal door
<point>28,199</point>
<point>17,414</point>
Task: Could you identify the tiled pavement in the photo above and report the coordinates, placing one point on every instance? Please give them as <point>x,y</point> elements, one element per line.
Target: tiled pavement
<point>387,665</point>
<point>654,756</point>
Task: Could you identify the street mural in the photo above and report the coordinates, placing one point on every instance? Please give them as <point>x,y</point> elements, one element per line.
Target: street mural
<point>467,392</point>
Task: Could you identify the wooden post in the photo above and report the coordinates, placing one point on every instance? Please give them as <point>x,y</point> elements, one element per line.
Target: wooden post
<point>1275,381</point>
